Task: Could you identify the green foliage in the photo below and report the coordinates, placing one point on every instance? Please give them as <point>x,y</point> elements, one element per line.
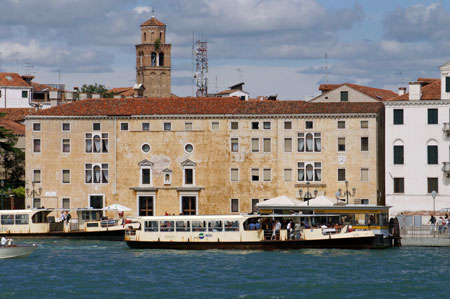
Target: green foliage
<point>12,159</point>
<point>96,88</point>
<point>157,43</point>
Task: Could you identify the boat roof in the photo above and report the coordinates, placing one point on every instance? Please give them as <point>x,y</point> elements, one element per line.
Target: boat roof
<point>228,217</point>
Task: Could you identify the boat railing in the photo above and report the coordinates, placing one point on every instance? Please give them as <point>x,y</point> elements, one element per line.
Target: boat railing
<point>56,226</point>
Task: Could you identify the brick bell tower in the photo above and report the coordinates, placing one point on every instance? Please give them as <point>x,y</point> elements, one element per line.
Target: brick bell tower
<point>153,70</point>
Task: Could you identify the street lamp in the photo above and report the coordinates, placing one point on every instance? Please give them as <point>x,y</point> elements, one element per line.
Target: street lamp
<point>308,196</point>
<point>33,193</point>
<point>346,192</point>
<point>433,194</point>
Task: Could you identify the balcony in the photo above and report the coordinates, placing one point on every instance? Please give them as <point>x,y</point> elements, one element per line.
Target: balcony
<point>446,129</point>
<point>446,168</point>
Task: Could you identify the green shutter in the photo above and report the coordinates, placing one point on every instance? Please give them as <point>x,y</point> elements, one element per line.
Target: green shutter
<point>447,84</point>
<point>344,96</point>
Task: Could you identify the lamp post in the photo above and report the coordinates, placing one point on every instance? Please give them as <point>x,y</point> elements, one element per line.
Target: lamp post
<point>433,195</point>
<point>33,193</point>
<point>308,196</point>
<point>346,193</point>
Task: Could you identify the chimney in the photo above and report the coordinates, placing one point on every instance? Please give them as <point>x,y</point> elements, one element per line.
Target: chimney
<point>415,91</point>
<point>401,91</point>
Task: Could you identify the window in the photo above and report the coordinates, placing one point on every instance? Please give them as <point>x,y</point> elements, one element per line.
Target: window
<point>398,154</point>
<point>447,84</point>
<point>432,116</point>
<point>364,144</point>
<point>287,125</point>
<point>167,126</point>
<point>96,127</point>
<point>65,145</point>
<point>255,125</point>
<point>255,201</point>
<point>398,116</point>
<point>189,148</point>
<point>146,209</point>
<point>188,126</point>
<point>234,174</point>
<point>433,185</point>
<point>234,145</point>
<point>309,124</point>
<point>66,176</point>
<point>96,173</point>
<point>37,175</point>
<point>267,145</point>
<point>364,124</point>
<point>36,127</point>
<point>24,93</point>
<point>287,174</point>
<point>399,185</point>
<point>267,174</point>
<point>234,125</point>
<point>146,176</point>
<point>66,127</point>
<point>432,151</point>
<point>341,124</point>
<point>96,143</point>
<point>344,96</point>
<point>188,176</point>
<point>145,147</point>
<point>36,145</point>
<point>364,174</point>
<point>124,126</point>
<point>313,142</point>
<point>255,145</point>
<point>66,203</point>
<point>215,126</point>
<point>234,205</point>
<point>266,125</point>
<point>167,176</point>
<point>341,174</point>
<point>145,126</point>
<point>95,202</point>
<point>287,145</point>
<point>255,174</point>
<point>341,144</point>
<point>37,203</point>
<point>309,171</point>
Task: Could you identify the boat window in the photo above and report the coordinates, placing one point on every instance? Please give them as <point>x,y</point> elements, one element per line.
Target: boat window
<point>384,219</point>
<point>372,219</point>
<point>360,219</point>
<point>199,226</point>
<point>166,226</point>
<point>183,226</point>
<point>232,226</point>
<point>40,217</point>
<point>347,219</point>
<point>22,219</point>
<point>215,226</point>
<point>151,226</point>
<point>7,219</point>
<point>90,215</point>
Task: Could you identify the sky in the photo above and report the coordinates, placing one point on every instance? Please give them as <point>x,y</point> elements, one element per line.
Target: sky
<point>274,46</point>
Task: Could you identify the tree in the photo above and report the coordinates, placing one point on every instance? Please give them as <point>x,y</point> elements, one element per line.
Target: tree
<point>96,88</point>
<point>11,159</point>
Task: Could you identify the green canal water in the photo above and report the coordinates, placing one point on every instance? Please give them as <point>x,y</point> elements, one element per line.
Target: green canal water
<point>62,268</point>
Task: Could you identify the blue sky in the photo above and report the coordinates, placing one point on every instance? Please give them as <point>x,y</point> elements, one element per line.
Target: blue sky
<point>279,45</point>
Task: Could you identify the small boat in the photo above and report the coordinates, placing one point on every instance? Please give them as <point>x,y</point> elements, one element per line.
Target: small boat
<point>13,251</point>
<point>244,232</point>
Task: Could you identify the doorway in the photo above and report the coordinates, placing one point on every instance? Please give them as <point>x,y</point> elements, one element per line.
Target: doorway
<point>189,205</point>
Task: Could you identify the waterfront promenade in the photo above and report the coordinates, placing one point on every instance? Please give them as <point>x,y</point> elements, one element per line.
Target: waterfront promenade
<point>424,236</point>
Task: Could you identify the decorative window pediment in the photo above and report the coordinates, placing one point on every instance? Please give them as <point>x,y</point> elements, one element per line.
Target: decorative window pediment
<point>188,163</point>
<point>145,162</point>
<point>167,170</point>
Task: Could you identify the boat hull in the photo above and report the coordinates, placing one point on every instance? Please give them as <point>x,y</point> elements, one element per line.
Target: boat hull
<point>341,243</point>
<point>110,235</point>
<point>16,251</point>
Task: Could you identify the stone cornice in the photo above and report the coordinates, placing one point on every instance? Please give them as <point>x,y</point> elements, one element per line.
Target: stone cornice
<point>417,103</point>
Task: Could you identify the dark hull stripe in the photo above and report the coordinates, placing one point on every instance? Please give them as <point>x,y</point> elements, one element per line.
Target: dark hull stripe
<point>113,235</point>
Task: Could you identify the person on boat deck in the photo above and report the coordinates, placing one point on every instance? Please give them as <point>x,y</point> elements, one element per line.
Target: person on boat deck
<point>68,216</point>
<point>289,229</point>
<point>62,217</point>
<point>4,241</point>
<point>251,226</point>
<point>257,225</point>
<point>276,231</point>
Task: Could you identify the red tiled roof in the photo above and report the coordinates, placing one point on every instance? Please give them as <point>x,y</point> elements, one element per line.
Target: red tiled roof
<point>12,79</point>
<point>15,114</point>
<point>153,22</point>
<point>15,128</point>
<point>228,91</point>
<point>430,91</point>
<point>203,106</point>
<point>376,93</point>
<point>40,87</point>
<point>124,91</point>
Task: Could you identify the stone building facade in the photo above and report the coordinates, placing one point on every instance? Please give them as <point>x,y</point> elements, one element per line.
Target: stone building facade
<point>201,155</point>
<point>153,61</point>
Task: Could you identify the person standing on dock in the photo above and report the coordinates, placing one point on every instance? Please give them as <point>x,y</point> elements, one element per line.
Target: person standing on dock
<point>433,223</point>
<point>62,217</point>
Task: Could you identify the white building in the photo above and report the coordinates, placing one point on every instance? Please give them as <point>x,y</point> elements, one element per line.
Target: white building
<point>234,91</point>
<point>417,147</point>
<point>15,91</point>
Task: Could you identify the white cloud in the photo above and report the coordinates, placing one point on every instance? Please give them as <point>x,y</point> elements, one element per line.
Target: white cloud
<point>142,9</point>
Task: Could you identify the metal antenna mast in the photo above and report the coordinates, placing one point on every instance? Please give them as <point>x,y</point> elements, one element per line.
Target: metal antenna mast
<point>201,68</point>
<point>326,67</point>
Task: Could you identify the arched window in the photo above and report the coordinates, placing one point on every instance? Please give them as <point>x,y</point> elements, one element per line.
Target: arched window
<point>309,142</point>
<point>96,174</point>
<point>145,36</point>
<point>153,59</point>
<point>161,59</point>
<point>141,57</point>
<point>97,141</point>
<point>309,172</point>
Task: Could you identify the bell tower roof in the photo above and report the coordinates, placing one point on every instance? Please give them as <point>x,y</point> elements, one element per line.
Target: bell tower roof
<point>153,22</point>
